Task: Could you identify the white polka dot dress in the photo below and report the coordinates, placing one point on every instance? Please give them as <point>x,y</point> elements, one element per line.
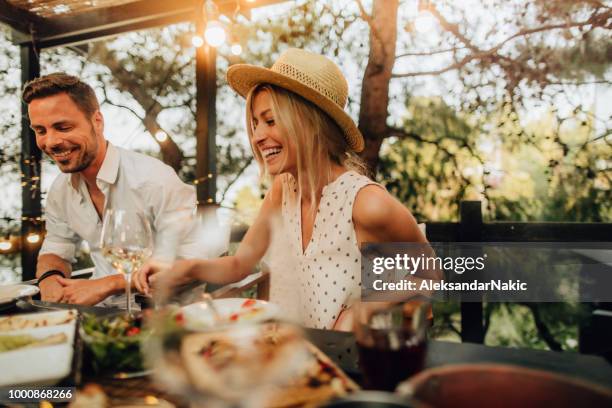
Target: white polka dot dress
<point>314,286</point>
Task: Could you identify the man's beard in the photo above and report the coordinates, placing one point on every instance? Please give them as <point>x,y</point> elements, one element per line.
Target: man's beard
<point>82,162</point>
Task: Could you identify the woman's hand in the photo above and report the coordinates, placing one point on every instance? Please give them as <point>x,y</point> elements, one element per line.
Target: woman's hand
<point>157,274</point>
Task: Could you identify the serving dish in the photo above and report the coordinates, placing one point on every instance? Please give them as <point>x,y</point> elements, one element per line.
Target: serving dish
<point>10,294</point>
<point>45,348</point>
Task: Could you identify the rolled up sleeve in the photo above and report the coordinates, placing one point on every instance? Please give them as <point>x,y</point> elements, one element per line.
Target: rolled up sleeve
<point>60,239</point>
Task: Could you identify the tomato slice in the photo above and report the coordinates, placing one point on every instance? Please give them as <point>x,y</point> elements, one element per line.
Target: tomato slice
<point>132,331</point>
<point>249,303</point>
<point>179,318</point>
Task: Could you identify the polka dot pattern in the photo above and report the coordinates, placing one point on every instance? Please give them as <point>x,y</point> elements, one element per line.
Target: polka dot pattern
<point>328,273</point>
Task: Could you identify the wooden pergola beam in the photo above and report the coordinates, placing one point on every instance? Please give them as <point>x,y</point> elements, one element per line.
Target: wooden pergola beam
<point>105,22</point>
<point>100,23</point>
<point>19,19</point>
<point>30,169</point>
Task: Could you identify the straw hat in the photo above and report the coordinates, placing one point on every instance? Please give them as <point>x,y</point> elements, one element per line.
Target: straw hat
<point>312,76</point>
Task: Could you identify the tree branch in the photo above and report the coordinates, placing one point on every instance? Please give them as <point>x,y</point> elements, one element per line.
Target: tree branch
<point>452,28</point>
<point>596,20</point>
<point>448,323</point>
<point>451,67</point>
<point>401,133</point>
<point>118,105</point>
<point>608,133</point>
<point>236,176</point>
<point>163,82</point>
<point>368,18</point>
<point>427,54</point>
<point>542,328</point>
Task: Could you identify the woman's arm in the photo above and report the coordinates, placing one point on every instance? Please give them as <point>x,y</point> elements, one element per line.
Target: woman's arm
<point>379,217</point>
<point>251,249</point>
<point>225,269</point>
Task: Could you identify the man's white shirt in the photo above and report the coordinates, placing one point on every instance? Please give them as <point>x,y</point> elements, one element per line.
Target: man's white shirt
<point>129,181</point>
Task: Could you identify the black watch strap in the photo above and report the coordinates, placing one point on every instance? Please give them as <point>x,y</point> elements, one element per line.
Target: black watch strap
<point>50,273</point>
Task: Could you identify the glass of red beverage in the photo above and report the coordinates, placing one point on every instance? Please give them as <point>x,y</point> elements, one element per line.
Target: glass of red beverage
<point>391,338</point>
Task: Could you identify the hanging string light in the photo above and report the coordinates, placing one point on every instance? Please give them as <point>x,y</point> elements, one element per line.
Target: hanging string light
<point>33,238</point>
<point>236,49</point>
<point>9,243</point>
<point>5,246</point>
<point>161,136</point>
<point>214,32</point>
<point>197,41</point>
<point>235,46</point>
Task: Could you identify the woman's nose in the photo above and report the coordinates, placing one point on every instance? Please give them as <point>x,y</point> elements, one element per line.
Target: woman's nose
<point>259,134</point>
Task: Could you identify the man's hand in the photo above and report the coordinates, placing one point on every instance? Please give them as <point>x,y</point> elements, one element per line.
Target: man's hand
<point>89,291</point>
<point>51,290</point>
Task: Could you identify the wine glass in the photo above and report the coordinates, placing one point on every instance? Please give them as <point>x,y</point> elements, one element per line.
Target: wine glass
<point>391,339</point>
<point>126,242</point>
<point>214,224</point>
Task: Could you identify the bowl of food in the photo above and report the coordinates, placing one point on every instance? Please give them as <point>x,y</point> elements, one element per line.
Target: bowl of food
<point>486,385</point>
<point>113,343</point>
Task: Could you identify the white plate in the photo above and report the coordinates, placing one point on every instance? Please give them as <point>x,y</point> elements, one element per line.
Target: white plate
<point>45,365</point>
<point>33,320</point>
<point>11,293</point>
<point>232,310</point>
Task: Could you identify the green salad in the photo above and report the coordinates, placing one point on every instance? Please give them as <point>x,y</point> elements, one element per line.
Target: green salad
<point>114,343</point>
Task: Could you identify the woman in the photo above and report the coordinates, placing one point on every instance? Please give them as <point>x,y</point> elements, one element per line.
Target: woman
<point>304,140</point>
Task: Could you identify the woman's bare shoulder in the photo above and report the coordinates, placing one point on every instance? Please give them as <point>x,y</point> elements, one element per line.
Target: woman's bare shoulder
<point>274,196</point>
<point>372,206</point>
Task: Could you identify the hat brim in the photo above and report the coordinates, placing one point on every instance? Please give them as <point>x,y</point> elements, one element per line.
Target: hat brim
<point>243,77</point>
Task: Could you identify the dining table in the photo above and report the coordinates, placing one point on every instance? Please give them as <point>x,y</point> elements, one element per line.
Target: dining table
<point>342,350</point>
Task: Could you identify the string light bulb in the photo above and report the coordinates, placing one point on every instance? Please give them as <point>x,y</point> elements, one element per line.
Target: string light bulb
<point>236,49</point>
<point>6,245</point>
<point>161,136</point>
<point>197,41</point>
<point>214,33</point>
<point>33,238</point>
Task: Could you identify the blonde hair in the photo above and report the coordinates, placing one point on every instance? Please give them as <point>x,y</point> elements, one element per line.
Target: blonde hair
<point>318,139</point>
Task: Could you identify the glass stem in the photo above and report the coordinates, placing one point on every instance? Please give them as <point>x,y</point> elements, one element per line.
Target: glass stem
<point>128,292</point>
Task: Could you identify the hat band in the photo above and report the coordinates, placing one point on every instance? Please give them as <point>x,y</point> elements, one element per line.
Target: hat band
<point>297,75</point>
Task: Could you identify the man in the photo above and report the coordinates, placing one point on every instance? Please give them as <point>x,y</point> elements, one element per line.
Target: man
<point>69,127</point>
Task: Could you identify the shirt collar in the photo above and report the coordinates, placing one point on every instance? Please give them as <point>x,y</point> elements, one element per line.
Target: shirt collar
<point>108,171</point>
<point>110,166</point>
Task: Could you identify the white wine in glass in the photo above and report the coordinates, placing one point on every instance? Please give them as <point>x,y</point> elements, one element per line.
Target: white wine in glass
<point>126,242</point>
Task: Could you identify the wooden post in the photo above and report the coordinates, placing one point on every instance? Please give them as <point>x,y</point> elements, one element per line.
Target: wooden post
<point>30,172</point>
<point>470,230</point>
<point>206,126</point>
